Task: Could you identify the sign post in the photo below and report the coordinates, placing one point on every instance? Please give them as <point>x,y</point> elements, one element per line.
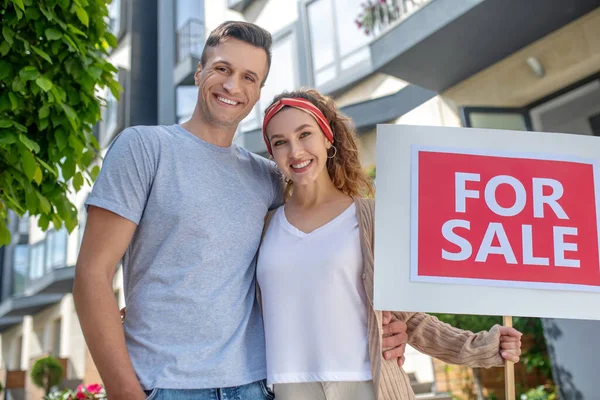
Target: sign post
<point>509,369</point>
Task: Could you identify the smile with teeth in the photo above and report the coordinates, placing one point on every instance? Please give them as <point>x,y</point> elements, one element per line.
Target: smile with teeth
<point>301,165</point>
<point>226,101</point>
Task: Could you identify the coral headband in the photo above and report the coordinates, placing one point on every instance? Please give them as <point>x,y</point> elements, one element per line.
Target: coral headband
<point>300,104</point>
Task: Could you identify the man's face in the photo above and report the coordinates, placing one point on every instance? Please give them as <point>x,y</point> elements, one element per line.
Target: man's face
<point>230,82</point>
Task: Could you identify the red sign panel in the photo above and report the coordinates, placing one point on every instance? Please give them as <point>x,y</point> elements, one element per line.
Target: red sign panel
<point>504,220</point>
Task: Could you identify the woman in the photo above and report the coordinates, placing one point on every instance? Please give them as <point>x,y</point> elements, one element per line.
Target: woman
<point>315,270</point>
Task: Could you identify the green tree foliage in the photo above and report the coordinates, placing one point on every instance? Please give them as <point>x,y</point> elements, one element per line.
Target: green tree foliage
<point>53,59</point>
<point>46,373</point>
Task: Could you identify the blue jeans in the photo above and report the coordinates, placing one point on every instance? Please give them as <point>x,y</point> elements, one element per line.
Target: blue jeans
<point>252,391</point>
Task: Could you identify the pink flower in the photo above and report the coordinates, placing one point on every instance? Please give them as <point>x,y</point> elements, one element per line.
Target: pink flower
<point>81,395</point>
<point>80,388</point>
<point>94,388</point>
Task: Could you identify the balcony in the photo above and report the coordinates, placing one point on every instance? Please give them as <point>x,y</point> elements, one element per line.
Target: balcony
<point>27,305</point>
<point>339,36</point>
<point>190,43</point>
<point>8,322</point>
<point>447,41</point>
<point>56,280</point>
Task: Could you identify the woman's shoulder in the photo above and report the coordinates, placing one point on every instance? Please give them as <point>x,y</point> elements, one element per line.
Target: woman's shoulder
<point>366,203</point>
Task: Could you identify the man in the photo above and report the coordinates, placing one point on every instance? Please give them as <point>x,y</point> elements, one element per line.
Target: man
<point>184,208</point>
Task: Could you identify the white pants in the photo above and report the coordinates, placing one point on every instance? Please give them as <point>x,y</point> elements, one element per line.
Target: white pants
<point>325,391</point>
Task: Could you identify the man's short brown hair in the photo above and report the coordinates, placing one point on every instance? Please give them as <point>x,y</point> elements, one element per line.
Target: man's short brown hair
<point>244,31</point>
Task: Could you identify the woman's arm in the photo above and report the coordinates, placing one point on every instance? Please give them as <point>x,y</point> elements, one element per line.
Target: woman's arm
<point>429,335</point>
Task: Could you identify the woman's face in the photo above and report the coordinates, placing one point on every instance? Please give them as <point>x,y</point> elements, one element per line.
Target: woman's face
<point>299,146</point>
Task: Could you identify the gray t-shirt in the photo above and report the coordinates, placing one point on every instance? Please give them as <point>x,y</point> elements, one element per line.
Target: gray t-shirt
<point>189,273</point>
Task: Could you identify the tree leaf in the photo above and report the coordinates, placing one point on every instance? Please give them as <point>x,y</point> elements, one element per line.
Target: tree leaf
<point>94,172</point>
<point>44,111</point>
<point>115,88</point>
<point>4,48</point>
<point>28,163</point>
<point>75,30</point>
<point>53,34</point>
<point>5,69</point>
<point>44,83</point>
<point>44,222</point>
<point>29,73</point>
<point>37,176</point>
<point>30,144</point>
<point>42,54</point>
<point>77,181</point>
<point>7,138</point>
<point>75,144</point>
<point>31,200</point>
<point>8,35</point>
<point>44,203</point>
<point>32,13</point>
<point>20,128</point>
<point>61,138</point>
<point>19,3</point>
<point>5,123</point>
<point>47,166</point>
<point>68,168</point>
<point>82,15</point>
<point>71,116</point>
<point>4,234</point>
<point>14,102</point>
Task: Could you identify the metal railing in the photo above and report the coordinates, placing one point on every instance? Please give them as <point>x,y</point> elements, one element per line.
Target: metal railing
<point>190,39</point>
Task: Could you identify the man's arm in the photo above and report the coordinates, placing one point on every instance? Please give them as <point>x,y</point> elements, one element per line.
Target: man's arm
<point>105,240</point>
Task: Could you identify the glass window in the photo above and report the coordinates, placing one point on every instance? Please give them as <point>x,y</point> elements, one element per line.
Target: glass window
<point>189,9</point>
<point>186,98</point>
<point>114,16</point>
<point>320,18</point>
<point>492,120</point>
<point>56,249</point>
<point>20,264</point>
<point>350,37</point>
<point>36,260</point>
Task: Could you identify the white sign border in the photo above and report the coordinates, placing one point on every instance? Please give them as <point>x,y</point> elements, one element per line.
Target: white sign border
<point>414,223</point>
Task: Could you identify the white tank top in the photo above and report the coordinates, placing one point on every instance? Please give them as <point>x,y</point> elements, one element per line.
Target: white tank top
<point>314,303</point>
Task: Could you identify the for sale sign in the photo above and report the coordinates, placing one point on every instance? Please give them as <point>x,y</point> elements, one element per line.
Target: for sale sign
<point>493,218</point>
<point>492,222</point>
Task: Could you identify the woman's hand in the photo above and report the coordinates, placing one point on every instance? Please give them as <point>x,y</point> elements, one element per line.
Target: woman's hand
<point>394,338</point>
<point>510,344</point>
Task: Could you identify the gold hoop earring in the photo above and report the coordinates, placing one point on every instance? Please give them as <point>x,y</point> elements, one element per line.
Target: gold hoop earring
<point>334,152</point>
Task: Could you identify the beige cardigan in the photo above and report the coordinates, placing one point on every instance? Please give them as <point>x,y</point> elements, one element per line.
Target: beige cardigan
<point>425,332</point>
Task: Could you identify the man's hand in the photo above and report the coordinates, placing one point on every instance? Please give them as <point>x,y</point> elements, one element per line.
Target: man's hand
<point>394,338</point>
<point>510,344</point>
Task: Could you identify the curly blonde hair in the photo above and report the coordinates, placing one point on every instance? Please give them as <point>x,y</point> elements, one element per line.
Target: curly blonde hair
<point>345,169</point>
